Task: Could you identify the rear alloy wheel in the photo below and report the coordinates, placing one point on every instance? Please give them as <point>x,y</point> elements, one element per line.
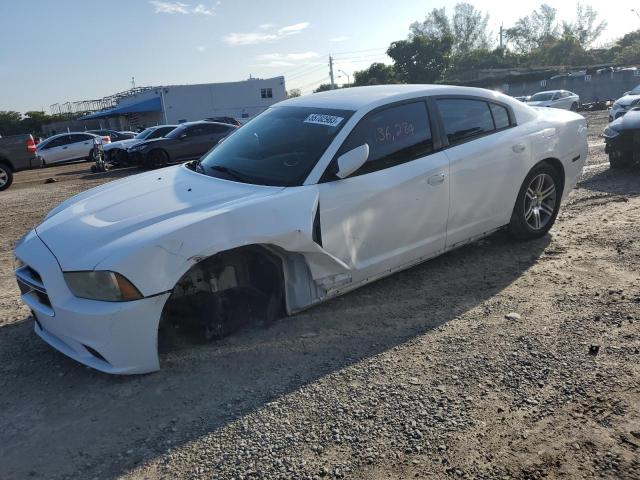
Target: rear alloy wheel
<point>6,176</point>
<point>537,204</point>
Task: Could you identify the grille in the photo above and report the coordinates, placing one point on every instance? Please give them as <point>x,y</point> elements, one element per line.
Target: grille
<point>32,289</point>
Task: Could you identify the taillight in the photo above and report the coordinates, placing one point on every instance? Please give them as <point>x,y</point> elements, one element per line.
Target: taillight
<point>31,145</point>
<point>106,139</point>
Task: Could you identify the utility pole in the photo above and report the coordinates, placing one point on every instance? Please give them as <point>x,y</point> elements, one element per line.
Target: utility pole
<point>333,83</point>
<point>501,30</point>
<point>133,83</point>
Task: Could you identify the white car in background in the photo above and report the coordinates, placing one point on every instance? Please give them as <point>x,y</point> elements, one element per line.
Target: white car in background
<point>623,105</point>
<point>314,197</point>
<point>555,99</point>
<point>67,147</point>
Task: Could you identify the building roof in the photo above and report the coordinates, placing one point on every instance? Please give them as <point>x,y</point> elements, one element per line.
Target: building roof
<point>148,105</point>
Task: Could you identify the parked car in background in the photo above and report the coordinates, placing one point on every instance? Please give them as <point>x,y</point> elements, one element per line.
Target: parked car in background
<point>229,120</point>
<point>622,139</point>
<point>68,147</point>
<point>17,152</point>
<point>316,196</point>
<point>556,99</point>
<point>625,103</point>
<point>114,135</point>
<point>117,152</point>
<point>189,141</point>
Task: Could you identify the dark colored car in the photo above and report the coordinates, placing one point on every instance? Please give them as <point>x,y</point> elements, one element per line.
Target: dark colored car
<point>17,152</point>
<point>118,152</point>
<point>113,134</point>
<point>229,120</point>
<point>622,138</point>
<point>187,142</point>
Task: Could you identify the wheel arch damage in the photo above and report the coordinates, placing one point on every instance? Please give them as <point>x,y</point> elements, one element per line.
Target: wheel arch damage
<point>266,277</point>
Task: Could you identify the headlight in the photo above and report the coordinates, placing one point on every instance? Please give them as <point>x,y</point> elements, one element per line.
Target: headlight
<point>610,133</point>
<point>103,286</point>
<point>136,148</point>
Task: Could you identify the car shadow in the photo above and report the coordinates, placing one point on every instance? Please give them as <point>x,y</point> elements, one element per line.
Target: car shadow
<point>624,181</point>
<point>61,418</point>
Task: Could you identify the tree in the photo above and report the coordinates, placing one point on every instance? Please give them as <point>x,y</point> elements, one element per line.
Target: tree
<point>566,51</point>
<point>535,30</point>
<point>467,27</point>
<point>376,74</point>
<point>323,88</point>
<point>10,122</point>
<point>294,92</point>
<point>470,29</point>
<point>421,59</point>
<point>586,29</point>
<point>629,55</point>
<point>463,66</point>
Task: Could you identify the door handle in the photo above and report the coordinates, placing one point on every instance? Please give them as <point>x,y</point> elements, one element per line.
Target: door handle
<point>519,148</point>
<point>64,148</point>
<point>436,179</point>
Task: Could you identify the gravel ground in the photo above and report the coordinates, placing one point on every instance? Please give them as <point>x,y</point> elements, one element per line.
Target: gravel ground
<point>498,360</point>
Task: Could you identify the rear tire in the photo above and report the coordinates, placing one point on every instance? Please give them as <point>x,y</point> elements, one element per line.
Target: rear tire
<point>6,176</point>
<point>574,107</point>
<point>537,204</point>
<point>619,159</point>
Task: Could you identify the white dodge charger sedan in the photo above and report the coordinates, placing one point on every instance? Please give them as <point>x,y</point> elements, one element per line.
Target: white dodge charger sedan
<point>316,196</point>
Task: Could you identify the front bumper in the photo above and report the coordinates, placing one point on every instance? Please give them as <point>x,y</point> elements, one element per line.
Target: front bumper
<point>626,141</point>
<point>618,111</point>
<point>113,337</point>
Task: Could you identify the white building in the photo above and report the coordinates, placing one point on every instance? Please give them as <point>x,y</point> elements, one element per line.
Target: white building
<point>184,103</point>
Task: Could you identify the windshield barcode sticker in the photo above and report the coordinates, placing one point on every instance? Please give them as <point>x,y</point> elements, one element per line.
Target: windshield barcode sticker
<point>321,119</point>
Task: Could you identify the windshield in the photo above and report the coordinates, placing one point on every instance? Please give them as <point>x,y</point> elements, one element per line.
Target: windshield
<point>635,91</point>
<point>542,97</point>
<point>280,147</point>
<point>144,134</point>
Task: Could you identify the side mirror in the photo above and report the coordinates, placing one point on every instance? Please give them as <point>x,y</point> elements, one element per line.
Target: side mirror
<point>626,93</point>
<point>182,136</point>
<point>352,160</point>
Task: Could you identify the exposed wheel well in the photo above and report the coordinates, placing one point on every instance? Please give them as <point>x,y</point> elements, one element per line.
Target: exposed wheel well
<point>557,165</point>
<point>224,292</point>
<point>6,163</point>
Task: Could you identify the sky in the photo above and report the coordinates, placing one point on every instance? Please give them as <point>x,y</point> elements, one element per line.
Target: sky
<point>71,50</point>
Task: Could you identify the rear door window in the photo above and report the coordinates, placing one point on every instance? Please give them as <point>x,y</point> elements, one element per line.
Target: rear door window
<point>500,116</point>
<point>465,119</point>
<point>80,137</point>
<point>395,135</point>
<point>58,142</point>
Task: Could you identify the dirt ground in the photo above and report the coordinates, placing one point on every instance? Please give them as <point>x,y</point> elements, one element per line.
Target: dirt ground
<point>420,375</point>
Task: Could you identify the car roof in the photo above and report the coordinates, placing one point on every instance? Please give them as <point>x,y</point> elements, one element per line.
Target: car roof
<point>357,98</point>
<point>69,133</point>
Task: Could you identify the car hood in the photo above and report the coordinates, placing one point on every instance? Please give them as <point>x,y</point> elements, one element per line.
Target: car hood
<point>123,144</point>
<point>148,142</point>
<point>630,121</point>
<point>89,227</point>
<point>627,100</point>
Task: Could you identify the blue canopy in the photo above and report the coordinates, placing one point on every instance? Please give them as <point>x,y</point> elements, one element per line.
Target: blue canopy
<point>149,105</point>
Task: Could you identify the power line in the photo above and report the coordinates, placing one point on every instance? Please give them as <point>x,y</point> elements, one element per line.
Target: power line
<point>317,82</point>
<point>360,51</point>
<point>306,72</point>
